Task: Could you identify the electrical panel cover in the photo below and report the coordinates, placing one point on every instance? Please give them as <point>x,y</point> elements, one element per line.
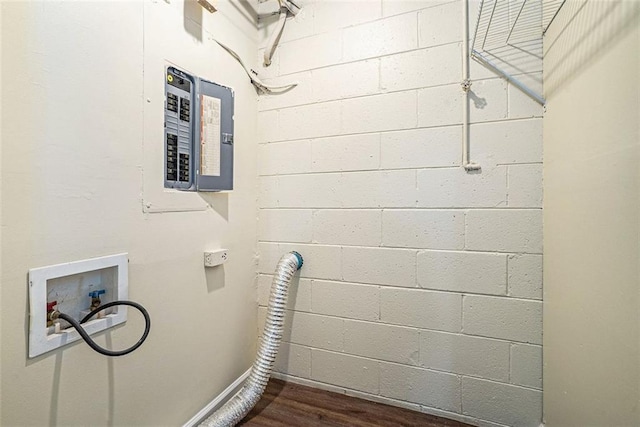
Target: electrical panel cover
<point>198,133</point>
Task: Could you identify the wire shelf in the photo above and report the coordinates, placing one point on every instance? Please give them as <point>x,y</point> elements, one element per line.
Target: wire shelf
<point>550,9</point>
<point>508,40</point>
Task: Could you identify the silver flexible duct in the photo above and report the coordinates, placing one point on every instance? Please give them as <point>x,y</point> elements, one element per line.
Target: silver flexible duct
<point>232,412</point>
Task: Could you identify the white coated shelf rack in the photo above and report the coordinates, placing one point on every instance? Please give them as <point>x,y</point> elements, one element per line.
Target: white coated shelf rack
<point>508,40</point>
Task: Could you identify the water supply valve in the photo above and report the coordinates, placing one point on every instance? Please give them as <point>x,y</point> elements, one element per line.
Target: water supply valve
<point>50,311</point>
<point>98,283</point>
<point>95,298</point>
<point>95,303</point>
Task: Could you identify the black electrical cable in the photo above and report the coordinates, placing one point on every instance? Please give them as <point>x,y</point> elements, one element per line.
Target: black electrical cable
<point>85,336</point>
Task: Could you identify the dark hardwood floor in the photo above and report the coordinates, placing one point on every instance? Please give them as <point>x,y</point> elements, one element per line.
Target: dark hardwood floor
<point>289,404</point>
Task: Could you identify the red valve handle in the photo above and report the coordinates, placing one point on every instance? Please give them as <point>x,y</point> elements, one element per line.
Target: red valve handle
<point>51,304</point>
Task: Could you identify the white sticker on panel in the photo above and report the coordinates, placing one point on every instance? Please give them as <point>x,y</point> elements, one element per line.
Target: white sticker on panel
<point>210,135</point>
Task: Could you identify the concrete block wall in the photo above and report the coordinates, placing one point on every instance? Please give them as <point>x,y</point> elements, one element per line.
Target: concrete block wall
<point>422,283</point>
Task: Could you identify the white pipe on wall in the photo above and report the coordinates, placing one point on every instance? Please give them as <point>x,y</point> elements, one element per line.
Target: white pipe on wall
<point>275,36</point>
<point>286,7</point>
<point>466,87</point>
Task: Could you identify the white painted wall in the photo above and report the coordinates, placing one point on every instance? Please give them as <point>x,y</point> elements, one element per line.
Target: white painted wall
<point>422,284</point>
<point>82,132</point>
<point>1,68</point>
<point>592,212</point>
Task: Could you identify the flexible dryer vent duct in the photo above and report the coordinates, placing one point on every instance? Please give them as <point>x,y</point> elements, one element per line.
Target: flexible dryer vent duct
<point>239,405</point>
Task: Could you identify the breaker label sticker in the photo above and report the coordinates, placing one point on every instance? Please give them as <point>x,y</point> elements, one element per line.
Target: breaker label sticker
<point>210,135</point>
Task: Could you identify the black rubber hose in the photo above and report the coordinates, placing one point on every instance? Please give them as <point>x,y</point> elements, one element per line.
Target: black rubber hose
<point>85,336</point>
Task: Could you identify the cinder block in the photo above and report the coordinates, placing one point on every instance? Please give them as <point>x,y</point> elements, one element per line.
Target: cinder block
<point>321,262</point>
<point>263,287</point>
<point>331,15</point>
<point>309,121</point>
<point>390,111</point>
<point>346,300</point>
<point>456,188</point>
<point>504,230</point>
<point>517,141</point>
<point>382,189</point>
<point>501,403</point>
<point>525,276</point>
<point>382,37</point>
<point>268,191</point>
<point>285,225</point>
<point>267,126</point>
<point>347,227</point>
<point>422,309</point>
<point>396,267</point>
<point>421,68</point>
<point>522,105</point>
<point>294,360</point>
<point>525,186</point>
<point>384,342</point>
<point>440,106</point>
<point>504,318</point>
<point>270,71</point>
<point>420,148</point>
<point>299,27</point>
<point>345,80</point>
<point>314,331</point>
<point>310,53</point>
<point>423,229</point>
<point>477,71</point>
<point>301,95</point>
<point>472,272</point>
<point>526,365</point>
<point>488,100</point>
<point>346,153</point>
<point>308,191</point>
<point>433,389</point>
<point>285,157</point>
<point>462,354</point>
<point>440,25</point>
<point>345,371</point>
<point>396,7</point>
<point>268,256</point>
<point>266,25</point>
<point>299,297</point>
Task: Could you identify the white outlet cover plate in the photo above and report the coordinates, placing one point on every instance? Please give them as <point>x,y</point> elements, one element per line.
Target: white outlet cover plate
<point>215,257</point>
<point>40,341</point>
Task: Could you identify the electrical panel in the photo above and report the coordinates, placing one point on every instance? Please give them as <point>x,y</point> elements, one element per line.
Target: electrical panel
<point>198,133</point>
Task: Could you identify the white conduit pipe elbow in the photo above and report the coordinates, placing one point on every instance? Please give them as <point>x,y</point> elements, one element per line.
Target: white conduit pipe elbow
<point>232,412</point>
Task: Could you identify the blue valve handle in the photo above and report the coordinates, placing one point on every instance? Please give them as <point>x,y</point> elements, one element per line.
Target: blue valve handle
<point>96,294</point>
